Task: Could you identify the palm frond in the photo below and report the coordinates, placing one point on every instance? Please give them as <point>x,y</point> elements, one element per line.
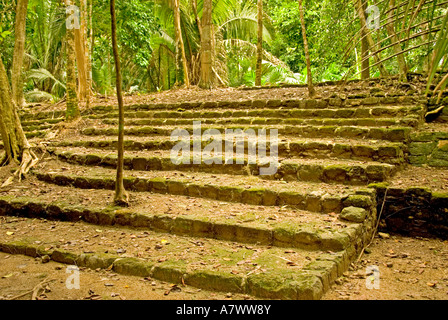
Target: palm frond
<point>41,75</point>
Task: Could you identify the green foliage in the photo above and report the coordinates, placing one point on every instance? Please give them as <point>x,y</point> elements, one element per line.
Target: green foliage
<point>146,33</point>
<point>328,26</point>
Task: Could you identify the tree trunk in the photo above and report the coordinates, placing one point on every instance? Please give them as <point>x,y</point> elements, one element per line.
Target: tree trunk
<point>17,148</point>
<point>85,24</point>
<point>365,62</point>
<point>181,59</point>
<point>309,77</point>
<point>194,5</point>
<point>206,79</point>
<point>259,44</point>
<point>395,40</point>
<point>121,196</point>
<point>80,51</point>
<point>72,111</point>
<point>13,137</point>
<point>19,51</point>
<point>368,36</point>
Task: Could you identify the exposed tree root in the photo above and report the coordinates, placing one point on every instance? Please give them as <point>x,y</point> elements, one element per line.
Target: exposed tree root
<point>29,160</point>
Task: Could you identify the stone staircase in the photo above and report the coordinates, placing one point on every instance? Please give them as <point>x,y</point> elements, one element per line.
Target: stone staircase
<point>288,235</point>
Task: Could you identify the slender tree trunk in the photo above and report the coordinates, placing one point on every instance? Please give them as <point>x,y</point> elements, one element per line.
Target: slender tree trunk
<point>19,52</point>
<point>365,62</point>
<point>72,111</point>
<point>368,36</point>
<point>81,56</point>
<point>206,79</point>
<point>259,44</point>
<point>181,59</point>
<point>121,196</point>
<point>91,43</point>
<point>395,39</point>
<point>85,30</point>
<point>309,77</point>
<point>194,4</point>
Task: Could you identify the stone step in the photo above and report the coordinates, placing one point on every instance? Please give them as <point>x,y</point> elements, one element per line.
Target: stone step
<point>261,271</point>
<point>339,113</point>
<point>396,134</point>
<point>42,115</point>
<point>329,171</point>
<point>368,122</point>
<point>309,196</point>
<point>36,133</point>
<point>392,153</point>
<point>350,101</point>
<point>36,127</point>
<point>295,229</point>
<point>42,121</point>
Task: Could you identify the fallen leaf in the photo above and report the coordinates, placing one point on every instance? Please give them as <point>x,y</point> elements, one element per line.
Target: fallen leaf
<point>8,275</point>
<point>9,233</point>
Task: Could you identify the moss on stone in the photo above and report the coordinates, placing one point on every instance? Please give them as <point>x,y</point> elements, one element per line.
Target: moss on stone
<point>215,280</point>
<point>285,285</point>
<point>360,201</point>
<point>132,266</point>
<point>253,196</point>
<point>169,271</point>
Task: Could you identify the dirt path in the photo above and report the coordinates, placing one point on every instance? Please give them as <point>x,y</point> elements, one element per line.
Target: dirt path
<point>409,269</point>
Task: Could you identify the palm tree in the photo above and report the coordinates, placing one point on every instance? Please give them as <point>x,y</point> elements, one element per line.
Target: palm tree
<point>233,23</point>
<point>45,47</point>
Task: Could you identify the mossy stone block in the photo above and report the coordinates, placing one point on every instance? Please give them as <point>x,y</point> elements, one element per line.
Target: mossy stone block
<point>65,257</point>
<point>159,185</point>
<point>335,173</point>
<point>172,272</point>
<point>285,286</point>
<point>360,201</point>
<point>132,267</point>
<point>176,187</point>
<point>291,198</point>
<point>253,196</point>
<point>312,172</point>
<point>249,234</point>
<point>231,194</point>
<point>214,280</point>
<point>353,214</point>
<point>421,148</point>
